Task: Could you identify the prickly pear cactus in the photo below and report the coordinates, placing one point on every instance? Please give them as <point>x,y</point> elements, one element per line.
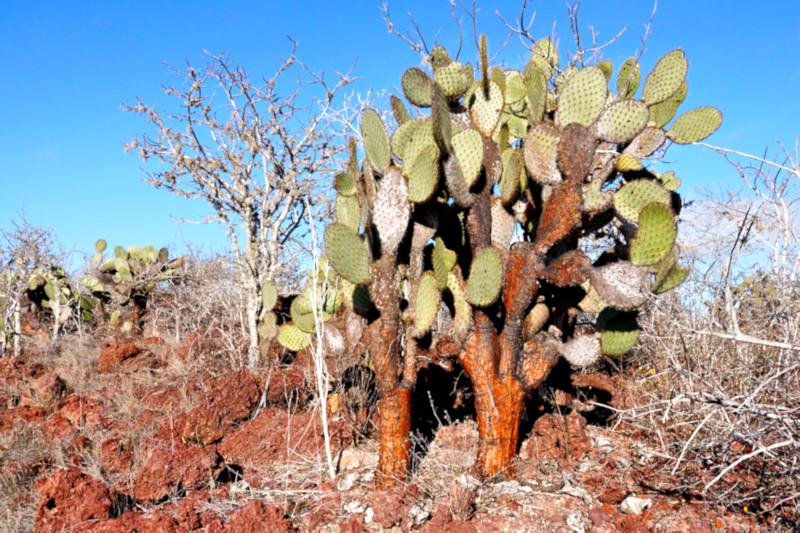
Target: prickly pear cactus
<point>129,278</point>
<point>488,202</point>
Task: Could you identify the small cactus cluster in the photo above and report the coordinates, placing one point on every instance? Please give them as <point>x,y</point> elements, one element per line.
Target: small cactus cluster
<point>130,276</point>
<point>51,289</point>
<point>323,298</point>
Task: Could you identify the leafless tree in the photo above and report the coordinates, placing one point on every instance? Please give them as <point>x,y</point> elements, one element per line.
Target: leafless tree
<point>720,359</point>
<point>25,251</point>
<point>253,154</point>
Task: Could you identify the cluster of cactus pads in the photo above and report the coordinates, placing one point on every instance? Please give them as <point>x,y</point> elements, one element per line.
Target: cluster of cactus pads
<point>129,277</point>
<point>486,198</point>
<point>320,300</point>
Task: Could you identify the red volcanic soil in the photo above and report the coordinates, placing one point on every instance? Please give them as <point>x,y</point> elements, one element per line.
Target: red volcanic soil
<point>133,436</point>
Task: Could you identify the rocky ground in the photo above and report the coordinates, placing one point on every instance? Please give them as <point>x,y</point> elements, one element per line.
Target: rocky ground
<point>134,435</point>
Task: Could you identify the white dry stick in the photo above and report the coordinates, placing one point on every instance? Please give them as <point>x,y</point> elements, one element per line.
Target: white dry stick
<point>317,349</point>
<point>746,457</point>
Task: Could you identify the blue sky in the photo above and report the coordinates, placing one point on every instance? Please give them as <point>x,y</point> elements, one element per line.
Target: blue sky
<point>69,65</point>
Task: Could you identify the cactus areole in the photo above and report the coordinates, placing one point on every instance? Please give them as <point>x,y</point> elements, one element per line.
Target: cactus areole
<point>549,159</point>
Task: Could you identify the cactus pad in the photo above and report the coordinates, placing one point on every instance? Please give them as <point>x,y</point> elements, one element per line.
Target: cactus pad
<point>292,338</point>
<point>376,141</point>
<point>622,121</point>
<point>655,236</point>
<point>607,67</point>
<point>440,119</point>
<point>439,57</point>
<point>633,196</point>
<point>424,175</point>
<point>302,315</point>
<point>347,253</point>
<point>581,350</point>
<point>669,181</point>
<point>670,277</point>
<point>417,87</point>
<point>486,107</point>
<point>622,284</point>
<point>269,296</point>
<point>576,152</point>
<point>345,184</point>
<point>399,111</point>
<point>513,176</point>
<point>348,211</point>
<point>535,92</point>
<point>485,278</point>
<point>100,246</point>
<point>403,135</point>
<point>618,331</point>
<point>646,143</point>
<point>582,97</point>
<point>515,87</point>
<point>456,185</point>
<point>440,268</point>
<point>462,317</point>
<point>662,112</point>
<point>421,138</point>
<point>629,163</point>
<point>427,304</point>
<point>666,77</point>
<point>454,79</point>
<point>391,212</point>
<point>628,78</point>
<point>541,151</point>
<point>695,125</point>
<point>468,150</point>
<point>502,225</point>
<point>535,320</point>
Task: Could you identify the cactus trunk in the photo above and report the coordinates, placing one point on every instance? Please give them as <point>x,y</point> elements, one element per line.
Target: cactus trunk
<point>394,408</point>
